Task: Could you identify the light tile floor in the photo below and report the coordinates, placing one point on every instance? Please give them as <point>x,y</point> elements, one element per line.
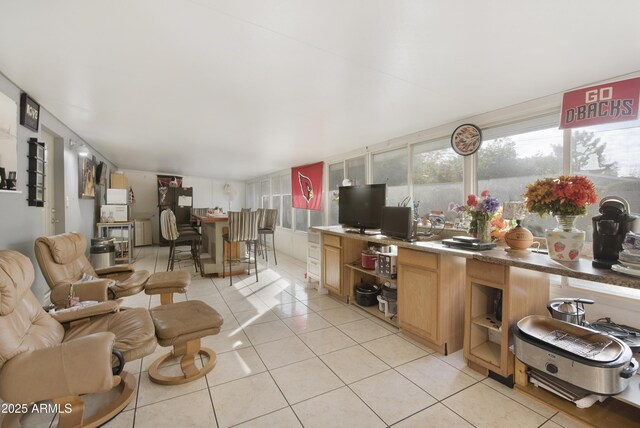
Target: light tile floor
<point>290,357</point>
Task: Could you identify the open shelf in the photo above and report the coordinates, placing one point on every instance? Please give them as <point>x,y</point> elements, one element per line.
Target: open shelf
<point>357,265</point>
<point>612,412</point>
<point>373,310</point>
<point>489,352</point>
<point>489,321</point>
<point>10,191</point>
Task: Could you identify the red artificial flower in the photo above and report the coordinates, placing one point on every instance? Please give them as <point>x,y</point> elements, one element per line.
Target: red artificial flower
<point>472,201</point>
<point>484,193</point>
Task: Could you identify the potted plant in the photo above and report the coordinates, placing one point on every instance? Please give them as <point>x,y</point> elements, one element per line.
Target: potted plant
<point>566,198</point>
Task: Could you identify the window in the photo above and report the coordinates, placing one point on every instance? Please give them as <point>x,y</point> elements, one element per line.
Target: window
<point>437,176</point>
<point>302,219</point>
<point>285,183</point>
<point>315,218</point>
<point>264,187</point>
<point>508,162</point>
<point>276,198</point>
<point>391,168</point>
<point>251,188</point>
<point>336,175</point>
<point>608,155</point>
<point>356,170</point>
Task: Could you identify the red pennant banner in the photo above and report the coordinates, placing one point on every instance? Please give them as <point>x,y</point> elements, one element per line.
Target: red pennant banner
<point>306,186</point>
<point>610,102</point>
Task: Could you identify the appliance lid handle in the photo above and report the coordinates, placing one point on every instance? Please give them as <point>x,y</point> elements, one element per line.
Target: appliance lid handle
<point>585,301</point>
<point>616,199</point>
<point>630,370</point>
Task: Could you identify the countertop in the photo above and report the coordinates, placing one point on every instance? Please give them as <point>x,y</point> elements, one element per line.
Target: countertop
<point>581,269</point>
<point>208,219</point>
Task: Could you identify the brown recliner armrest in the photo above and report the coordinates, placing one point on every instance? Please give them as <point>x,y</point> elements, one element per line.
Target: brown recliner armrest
<point>96,289</point>
<point>114,269</point>
<point>79,312</point>
<point>79,366</point>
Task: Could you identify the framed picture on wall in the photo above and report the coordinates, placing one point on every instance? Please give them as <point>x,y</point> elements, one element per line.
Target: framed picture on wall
<point>29,112</point>
<point>87,177</point>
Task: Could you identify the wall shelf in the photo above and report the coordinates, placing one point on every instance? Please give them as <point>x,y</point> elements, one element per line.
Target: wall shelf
<point>36,173</point>
<point>11,191</point>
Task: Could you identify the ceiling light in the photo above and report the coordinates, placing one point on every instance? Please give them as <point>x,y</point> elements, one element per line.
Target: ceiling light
<point>80,148</point>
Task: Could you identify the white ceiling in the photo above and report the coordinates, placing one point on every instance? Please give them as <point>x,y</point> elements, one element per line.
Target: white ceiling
<point>239,88</point>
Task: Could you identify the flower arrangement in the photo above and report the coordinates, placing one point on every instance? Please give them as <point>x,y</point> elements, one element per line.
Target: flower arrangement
<point>562,196</point>
<point>480,209</point>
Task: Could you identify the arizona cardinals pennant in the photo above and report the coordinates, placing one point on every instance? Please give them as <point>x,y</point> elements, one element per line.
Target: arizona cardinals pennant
<point>306,186</point>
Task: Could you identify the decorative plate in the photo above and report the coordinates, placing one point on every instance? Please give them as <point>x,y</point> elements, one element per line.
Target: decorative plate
<point>466,139</point>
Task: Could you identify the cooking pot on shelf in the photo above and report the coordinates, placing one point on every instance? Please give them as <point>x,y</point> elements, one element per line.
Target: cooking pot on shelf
<point>389,291</point>
<point>569,309</point>
<point>367,294</point>
<point>369,258</point>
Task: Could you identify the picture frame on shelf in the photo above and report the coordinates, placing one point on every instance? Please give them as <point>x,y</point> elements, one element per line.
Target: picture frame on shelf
<point>29,112</point>
<point>87,177</point>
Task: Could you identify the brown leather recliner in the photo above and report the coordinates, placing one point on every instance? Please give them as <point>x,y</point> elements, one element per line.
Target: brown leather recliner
<point>42,359</point>
<point>63,263</point>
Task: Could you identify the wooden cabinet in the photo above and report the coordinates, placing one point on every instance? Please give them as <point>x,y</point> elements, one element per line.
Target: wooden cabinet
<point>430,298</point>
<point>418,301</point>
<point>337,252</point>
<point>517,292</point>
<point>332,267</point>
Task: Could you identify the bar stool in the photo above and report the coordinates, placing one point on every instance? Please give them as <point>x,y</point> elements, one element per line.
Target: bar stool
<point>243,227</point>
<point>178,238</point>
<point>268,227</point>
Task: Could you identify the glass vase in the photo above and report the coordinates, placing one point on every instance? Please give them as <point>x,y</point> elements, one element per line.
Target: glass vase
<point>484,230</point>
<point>565,242</point>
<point>566,223</point>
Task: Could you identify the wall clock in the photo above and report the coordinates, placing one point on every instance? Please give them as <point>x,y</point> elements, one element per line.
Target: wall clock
<point>466,139</point>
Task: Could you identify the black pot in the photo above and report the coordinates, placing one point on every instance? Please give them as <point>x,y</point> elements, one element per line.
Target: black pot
<point>367,294</point>
<point>389,293</point>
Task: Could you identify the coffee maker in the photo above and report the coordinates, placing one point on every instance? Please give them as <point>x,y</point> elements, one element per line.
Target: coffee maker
<point>609,230</point>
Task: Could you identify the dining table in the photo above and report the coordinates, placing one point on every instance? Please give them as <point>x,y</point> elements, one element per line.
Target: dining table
<point>213,229</point>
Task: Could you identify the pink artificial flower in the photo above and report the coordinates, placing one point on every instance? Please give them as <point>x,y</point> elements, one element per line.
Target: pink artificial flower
<point>484,193</point>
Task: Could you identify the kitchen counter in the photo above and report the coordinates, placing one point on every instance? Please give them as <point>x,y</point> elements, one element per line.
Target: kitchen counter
<point>581,269</point>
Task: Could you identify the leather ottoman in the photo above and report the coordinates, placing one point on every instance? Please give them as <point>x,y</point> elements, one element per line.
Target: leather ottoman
<point>167,283</point>
<point>182,325</point>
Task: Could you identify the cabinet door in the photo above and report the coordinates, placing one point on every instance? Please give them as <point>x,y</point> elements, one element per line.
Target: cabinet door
<point>332,262</point>
<point>418,301</point>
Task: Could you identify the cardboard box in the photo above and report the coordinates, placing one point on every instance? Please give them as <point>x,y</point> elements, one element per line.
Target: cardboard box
<point>117,196</point>
<point>119,181</point>
<point>115,212</point>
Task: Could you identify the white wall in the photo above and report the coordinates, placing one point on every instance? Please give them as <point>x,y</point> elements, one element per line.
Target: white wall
<point>21,224</point>
<point>207,192</point>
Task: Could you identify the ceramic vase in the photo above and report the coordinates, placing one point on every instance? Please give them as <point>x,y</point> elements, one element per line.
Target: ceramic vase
<point>565,241</point>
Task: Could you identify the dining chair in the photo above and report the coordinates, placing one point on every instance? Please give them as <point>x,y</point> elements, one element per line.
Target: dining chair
<point>243,227</point>
<point>268,227</point>
<point>177,238</point>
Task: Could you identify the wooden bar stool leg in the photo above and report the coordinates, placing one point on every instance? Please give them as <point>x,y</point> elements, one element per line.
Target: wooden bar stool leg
<point>255,259</point>
<point>273,245</point>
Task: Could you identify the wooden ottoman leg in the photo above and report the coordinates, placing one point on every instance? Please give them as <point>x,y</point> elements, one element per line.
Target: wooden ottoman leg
<point>166,298</point>
<point>187,364</point>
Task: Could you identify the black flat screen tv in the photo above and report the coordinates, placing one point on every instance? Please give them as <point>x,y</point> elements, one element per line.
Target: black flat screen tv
<point>397,222</point>
<point>360,207</point>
